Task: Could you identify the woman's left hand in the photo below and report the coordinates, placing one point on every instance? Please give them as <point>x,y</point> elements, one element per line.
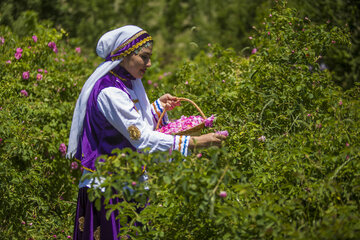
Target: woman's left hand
<point>168,102</point>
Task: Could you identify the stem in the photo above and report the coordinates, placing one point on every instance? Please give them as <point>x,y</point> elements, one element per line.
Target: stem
<point>339,168</point>
<point>262,111</point>
<point>221,178</point>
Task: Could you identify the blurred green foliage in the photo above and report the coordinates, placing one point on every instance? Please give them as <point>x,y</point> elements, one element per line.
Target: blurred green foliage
<point>182,28</point>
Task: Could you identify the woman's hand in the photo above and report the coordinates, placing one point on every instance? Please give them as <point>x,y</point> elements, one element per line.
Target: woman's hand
<point>168,102</point>
<point>206,140</point>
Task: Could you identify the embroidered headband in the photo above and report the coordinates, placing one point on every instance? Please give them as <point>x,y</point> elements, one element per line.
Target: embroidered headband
<point>132,44</point>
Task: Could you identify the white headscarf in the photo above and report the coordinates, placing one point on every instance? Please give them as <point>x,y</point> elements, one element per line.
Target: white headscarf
<point>107,43</point>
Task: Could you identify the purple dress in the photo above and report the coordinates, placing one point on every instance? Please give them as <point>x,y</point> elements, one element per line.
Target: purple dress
<point>99,137</point>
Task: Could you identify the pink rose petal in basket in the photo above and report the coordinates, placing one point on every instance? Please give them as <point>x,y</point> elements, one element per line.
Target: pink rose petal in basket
<point>185,123</point>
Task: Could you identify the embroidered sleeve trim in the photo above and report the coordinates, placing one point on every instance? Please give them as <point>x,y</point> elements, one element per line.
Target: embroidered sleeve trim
<point>181,144</point>
<point>157,110</point>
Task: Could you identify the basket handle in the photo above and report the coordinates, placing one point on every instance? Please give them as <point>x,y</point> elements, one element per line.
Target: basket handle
<point>180,99</point>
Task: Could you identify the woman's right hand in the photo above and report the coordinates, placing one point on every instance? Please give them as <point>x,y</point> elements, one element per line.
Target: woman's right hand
<point>206,140</point>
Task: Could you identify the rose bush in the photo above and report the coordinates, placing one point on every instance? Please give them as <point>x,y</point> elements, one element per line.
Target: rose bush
<point>37,95</point>
<point>285,171</point>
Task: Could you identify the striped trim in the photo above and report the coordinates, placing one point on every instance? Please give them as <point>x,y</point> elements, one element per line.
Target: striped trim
<point>130,50</point>
<point>180,140</point>
<point>181,144</point>
<point>159,106</point>
<point>184,151</point>
<point>128,41</point>
<point>156,111</point>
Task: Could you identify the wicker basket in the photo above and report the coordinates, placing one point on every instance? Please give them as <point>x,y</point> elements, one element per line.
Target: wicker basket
<point>194,131</point>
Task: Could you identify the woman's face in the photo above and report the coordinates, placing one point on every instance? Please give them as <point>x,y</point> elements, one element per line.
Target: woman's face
<point>136,64</point>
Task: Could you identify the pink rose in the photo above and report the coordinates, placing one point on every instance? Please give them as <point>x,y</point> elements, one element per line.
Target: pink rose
<point>39,76</point>
<point>19,50</point>
<point>149,82</point>
<point>34,38</point>
<point>209,121</point>
<point>74,165</point>
<point>222,194</point>
<point>253,51</point>
<point>24,93</point>
<point>51,45</point>
<point>62,149</point>
<point>2,40</point>
<point>8,61</point>
<point>40,70</point>
<point>262,139</point>
<point>18,55</point>
<point>78,50</point>
<point>25,75</point>
<point>224,133</point>
<point>199,155</point>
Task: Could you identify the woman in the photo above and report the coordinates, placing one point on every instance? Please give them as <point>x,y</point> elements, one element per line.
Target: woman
<point>113,111</point>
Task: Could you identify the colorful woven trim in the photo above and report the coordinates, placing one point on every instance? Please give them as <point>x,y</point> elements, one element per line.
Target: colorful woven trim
<point>130,45</point>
